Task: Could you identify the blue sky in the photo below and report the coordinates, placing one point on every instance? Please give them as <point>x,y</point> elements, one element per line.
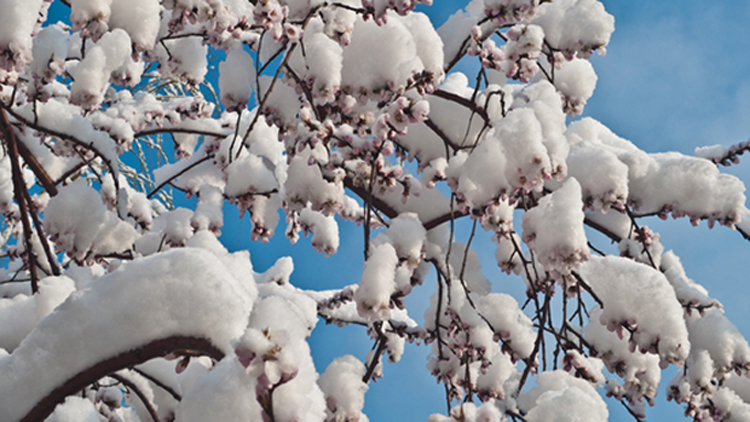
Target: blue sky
<point>675,77</point>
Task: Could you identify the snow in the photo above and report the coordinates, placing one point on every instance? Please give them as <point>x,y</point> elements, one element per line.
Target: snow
<point>408,237</point>
<point>740,385</point>
<point>93,73</point>
<point>208,214</point>
<point>465,263</point>
<point>577,27</point>
<point>479,178</point>
<point>377,284</point>
<point>164,371</point>
<point>453,120</point>
<point>306,184</point>
<point>188,59</point>
<point>729,403</point>
<point>250,174</point>
<point>554,229</point>
<point>75,409</point>
<point>561,397</point>
<point>227,384</point>
<point>344,390</point>
<point>18,21</point>
<point>116,127</point>
<point>428,42</point>
<point>667,183</point>
<point>79,223</point>
<point>520,135</point>
<point>509,322</point>
<point>129,201</point>
<point>96,324</point>
<point>603,177</point>
<point>688,292</point>
<point>689,186</point>
<point>274,351</point>
<point>458,27</point>
<point>282,104</point>
<point>53,164</point>
<point>713,152</point>
<point>370,64</point>
<point>50,49</point>
<point>323,62</point>
<point>548,109</point>
<point>588,368</point>
<point>339,22</point>
<point>22,312</point>
<point>639,299</point>
<point>139,18</point>
<point>324,228</point>
<point>177,226</point>
<point>144,386</point>
<point>575,81</point>
<point>640,372</point>
<point>205,173</point>
<point>508,259</point>
<point>501,377</point>
<point>469,412</point>
<point>236,79</point>
<point>713,332</point>
<point>91,17</point>
<point>58,116</point>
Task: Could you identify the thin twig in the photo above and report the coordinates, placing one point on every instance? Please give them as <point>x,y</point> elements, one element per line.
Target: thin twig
<point>466,102</point>
<point>42,237</point>
<point>64,136</point>
<point>179,173</point>
<point>586,287</point>
<point>642,235</point>
<point>155,131</point>
<point>158,383</point>
<point>18,187</point>
<point>381,341</point>
<point>146,402</point>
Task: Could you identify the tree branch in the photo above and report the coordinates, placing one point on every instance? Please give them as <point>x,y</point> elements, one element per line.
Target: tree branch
<point>382,340</point>
<point>178,174</point>
<point>587,288</point>
<point>376,202</point>
<point>18,188</point>
<point>462,101</point>
<point>34,165</point>
<point>642,236</point>
<point>146,402</point>
<point>159,384</point>
<point>66,137</point>
<point>603,230</point>
<point>42,237</point>
<point>157,131</point>
<point>154,349</point>
<point>439,132</point>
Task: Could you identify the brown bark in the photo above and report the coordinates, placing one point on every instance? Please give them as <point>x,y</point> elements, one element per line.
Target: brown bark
<point>154,349</point>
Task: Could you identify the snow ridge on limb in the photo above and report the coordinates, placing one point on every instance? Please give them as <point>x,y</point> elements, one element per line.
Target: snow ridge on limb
<point>650,314</point>
<point>66,344</point>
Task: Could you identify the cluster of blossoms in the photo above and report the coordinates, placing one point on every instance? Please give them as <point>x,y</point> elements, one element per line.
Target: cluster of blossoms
<point>517,59</point>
